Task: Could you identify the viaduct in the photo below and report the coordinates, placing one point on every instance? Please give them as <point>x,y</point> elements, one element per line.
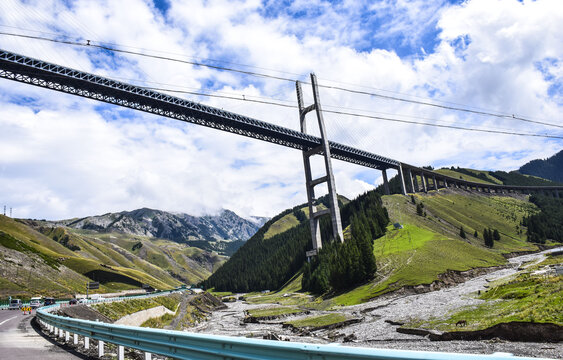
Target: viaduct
<point>55,77</point>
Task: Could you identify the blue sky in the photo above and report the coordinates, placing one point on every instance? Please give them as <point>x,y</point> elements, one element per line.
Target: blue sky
<point>63,156</point>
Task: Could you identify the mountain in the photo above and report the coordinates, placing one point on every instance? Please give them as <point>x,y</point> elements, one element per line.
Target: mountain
<point>551,168</point>
<point>208,232</point>
<point>37,258</point>
<point>426,251</point>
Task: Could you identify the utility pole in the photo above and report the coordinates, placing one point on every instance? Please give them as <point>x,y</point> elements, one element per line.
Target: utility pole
<point>323,150</point>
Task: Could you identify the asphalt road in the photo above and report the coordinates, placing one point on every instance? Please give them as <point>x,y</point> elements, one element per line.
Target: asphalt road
<point>20,338</point>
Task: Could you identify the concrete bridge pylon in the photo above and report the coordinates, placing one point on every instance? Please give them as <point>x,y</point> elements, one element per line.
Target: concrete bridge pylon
<point>324,151</point>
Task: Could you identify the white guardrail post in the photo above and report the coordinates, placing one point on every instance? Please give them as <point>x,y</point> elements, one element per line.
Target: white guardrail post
<point>185,345</point>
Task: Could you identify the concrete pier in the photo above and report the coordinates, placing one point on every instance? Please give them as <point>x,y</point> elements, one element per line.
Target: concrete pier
<point>385,182</point>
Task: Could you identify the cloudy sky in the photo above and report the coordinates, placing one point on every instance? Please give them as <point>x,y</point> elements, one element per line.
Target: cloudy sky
<point>63,156</point>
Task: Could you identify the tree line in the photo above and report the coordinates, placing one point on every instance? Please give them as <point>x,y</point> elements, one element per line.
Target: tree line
<point>263,264</point>
<point>548,222</point>
<point>340,266</point>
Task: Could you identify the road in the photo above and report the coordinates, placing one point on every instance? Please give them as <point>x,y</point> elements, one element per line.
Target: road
<point>20,339</point>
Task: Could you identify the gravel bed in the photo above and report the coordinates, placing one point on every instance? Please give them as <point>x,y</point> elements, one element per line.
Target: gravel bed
<point>374,331</point>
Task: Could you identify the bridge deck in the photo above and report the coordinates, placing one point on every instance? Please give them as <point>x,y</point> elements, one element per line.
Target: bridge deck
<point>55,77</point>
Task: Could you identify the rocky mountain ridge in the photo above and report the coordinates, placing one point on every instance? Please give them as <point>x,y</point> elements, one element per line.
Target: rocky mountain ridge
<point>178,227</point>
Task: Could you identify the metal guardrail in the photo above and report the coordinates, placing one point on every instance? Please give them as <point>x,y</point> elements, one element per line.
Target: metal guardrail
<point>61,303</point>
<point>184,345</point>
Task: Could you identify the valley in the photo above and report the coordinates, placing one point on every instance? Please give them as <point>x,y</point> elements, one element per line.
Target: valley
<point>433,271</point>
<point>380,318</point>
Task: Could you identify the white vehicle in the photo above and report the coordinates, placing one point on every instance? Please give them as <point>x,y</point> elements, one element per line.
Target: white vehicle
<point>15,304</point>
<point>83,301</point>
<point>36,302</point>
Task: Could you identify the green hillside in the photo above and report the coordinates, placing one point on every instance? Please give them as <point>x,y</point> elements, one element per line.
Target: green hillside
<point>496,177</point>
<point>551,168</point>
<point>422,252</point>
<point>41,260</point>
<point>428,246</point>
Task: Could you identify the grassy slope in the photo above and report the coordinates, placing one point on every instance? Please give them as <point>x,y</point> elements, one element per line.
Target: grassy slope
<point>428,246</point>
<point>527,297</point>
<point>283,224</point>
<point>457,175</point>
<point>110,256</point>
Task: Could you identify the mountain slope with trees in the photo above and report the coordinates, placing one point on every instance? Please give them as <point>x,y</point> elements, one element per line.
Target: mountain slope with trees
<point>421,248</point>
<point>267,263</point>
<point>550,168</point>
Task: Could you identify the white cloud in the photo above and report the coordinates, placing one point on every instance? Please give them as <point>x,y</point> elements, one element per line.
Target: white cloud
<point>63,156</point>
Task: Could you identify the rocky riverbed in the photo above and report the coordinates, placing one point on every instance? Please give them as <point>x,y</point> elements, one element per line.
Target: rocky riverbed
<point>382,315</point>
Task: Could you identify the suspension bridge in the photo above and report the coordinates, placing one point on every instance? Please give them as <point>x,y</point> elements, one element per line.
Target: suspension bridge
<point>412,178</point>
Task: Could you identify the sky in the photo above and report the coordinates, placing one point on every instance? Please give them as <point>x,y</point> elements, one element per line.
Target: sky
<point>63,156</point>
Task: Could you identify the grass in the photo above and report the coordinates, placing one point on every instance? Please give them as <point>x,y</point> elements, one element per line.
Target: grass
<point>278,298</point>
<point>528,299</point>
<point>317,321</point>
<point>293,285</point>
<point>458,175</point>
<point>274,311</point>
<point>430,245</point>
<point>159,322</point>
<point>119,309</point>
<point>283,224</point>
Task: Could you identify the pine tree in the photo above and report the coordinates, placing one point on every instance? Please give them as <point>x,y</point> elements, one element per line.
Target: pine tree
<point>488,237</point>
<point>419,211</point>
<point>496,235</point>
<point>412,199</point>
<point>475,234</point>
<point>462,233</point>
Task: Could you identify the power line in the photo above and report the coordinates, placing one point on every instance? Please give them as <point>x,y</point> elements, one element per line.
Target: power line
<point>443,126</point>
<point>102,47</point>
<point>252,73</point>
<point>364,116</point>
<point>88,44</point>
<point>439,106</point>
<point>242,98</point>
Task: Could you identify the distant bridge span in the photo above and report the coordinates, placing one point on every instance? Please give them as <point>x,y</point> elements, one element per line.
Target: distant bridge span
<point>55,77</point>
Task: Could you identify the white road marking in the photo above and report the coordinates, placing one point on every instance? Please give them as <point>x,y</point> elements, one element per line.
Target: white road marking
<point>13,317</point>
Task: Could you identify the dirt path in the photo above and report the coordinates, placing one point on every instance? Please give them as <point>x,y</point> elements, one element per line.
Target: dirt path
<point>180,312</point>
<point>374,331</point>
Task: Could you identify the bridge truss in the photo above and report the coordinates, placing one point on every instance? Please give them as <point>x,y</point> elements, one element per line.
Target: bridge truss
<point>55,77</point>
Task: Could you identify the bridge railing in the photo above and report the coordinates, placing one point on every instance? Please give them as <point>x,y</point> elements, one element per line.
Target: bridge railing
<point>184,345</point>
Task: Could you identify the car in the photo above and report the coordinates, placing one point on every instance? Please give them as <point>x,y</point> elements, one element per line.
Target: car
<point>49,301</point>
<point>83,301</point>
<point>35,302</point>
<point>73,302</point>
<point>15,304</point>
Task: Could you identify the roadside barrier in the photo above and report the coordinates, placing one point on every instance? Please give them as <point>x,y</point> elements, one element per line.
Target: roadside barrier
<point>184,345</point>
